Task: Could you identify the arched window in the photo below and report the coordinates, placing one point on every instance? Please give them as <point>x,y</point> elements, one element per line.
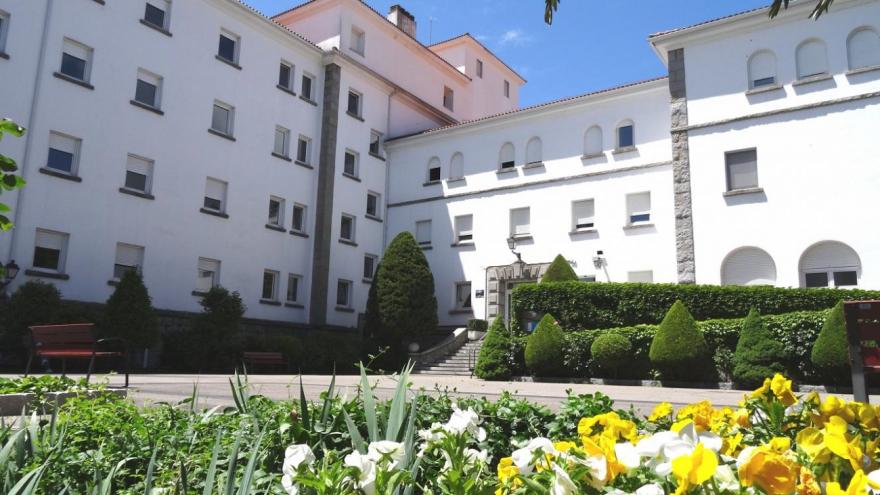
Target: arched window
<point>863,48</point>
<point>748,266</point>
<point>626,135</point>
<point>506,159</point>
<point>434,169</point>
<point>762,69</point>
<point>456,166</point>
<point>830,262</point>
<point>533,150</point>
<point>593,141</point>
<point>811,58</point>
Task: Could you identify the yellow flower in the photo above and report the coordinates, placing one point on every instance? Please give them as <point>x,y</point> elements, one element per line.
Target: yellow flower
<point>564,447</point>
<point>812,442</point>
<point>834,406</point>
<point>779,386</point>
<point>868,418</point>
<point>612,426</point>
<point>700,413</point>
<point>507,469</point>
<point>768,469</point>
<point>694,469</point>
<point>858,485</point>
<point>808,484</point>
<point>837,442</point>
<point>661,411</point>
<point>731,444</point>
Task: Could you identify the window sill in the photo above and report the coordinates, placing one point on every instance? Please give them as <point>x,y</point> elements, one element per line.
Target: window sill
<point>285,158</point>
<point>221,134</point>
<point>113,282</point>
<point>227,62</point>
<point>303,164</point>
<point>592,155</point>
<point>354,116</point>
<point>583,231</point>
<point>376,156</point>
<point>4,55</point>
<point>522,237</point>
<point>432,183</point>
<point>626,149</point>
<point>276,228</point>
<point>139,194</point>
<point>286,89</point>
<point>293,305</point>
<point>763,89</point>
<point>860,70</point>
<point>78,82</point>
<point>636,226</point>
<point>308,100</point>
<point>34,272</point>
<point>426,247</point>
<point>461,311</point>
<point>373,218</point>
<point>344,309</point>
<point>213,213</point>
<point>740,192</point>
<point>352,177</point>
<point>502,171</point>
<point>453,180</point>
<point>367,280</point>
<point>299,234</point>
<point>157,28</point>
<point>270,302</point>
<point>533,165</point>
<point>812,79</point>
<point>146,107</point>
<point>347,242</point>
<point>60,175</point>
<point>463,244</point>
<point>199,293</point>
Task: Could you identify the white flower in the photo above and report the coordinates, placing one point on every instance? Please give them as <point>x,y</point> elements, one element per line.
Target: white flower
<point>295,456</point>
<point>288,485</point>
<point>664,446</point>
<point>562,484</point>
<point>874,476</point>
<point>598,466</point>
<point>432,434</point>
<point>627,455</point>
<point>726,479</point>
<point>467,421</point>
<point>386,450</point>
<point>367,467</point>
<point>475,456</point>
<point>523,457</point>
<point>650,489</point>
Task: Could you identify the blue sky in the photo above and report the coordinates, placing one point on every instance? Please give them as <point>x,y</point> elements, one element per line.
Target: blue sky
<point>592,44</point>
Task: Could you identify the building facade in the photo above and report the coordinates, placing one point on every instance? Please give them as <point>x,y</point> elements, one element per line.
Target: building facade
<point>204,144</point>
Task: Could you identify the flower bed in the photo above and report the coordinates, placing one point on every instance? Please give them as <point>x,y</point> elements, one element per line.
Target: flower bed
<point>36,392</point>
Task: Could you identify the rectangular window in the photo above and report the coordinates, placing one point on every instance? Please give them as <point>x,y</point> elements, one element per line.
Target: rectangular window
<point>582,215</point>
<point>282,141</point>
<point>156,13</point>
<point>625,137</point>
<point>138,174</point>
<point>375,143</point>
<point>128,258</point>
<point>350,167</point>
<point>464,229</point>
<point>306,91</point>
<point>298,224</point>
<point>148,89</point>
<point>643,276</point>
<point>370,261</point>
<point>423,232</point>
<point>293,288</point>
<point>742,169</point>
<point>434,173</point>
<point>222,118</point>
<point>4,29</point>
<point>638,208</point>
<point>76,60</point>
<point>358,40</point>
<point>276,211</point>
<point>270,285</point>
<point>50,250</point>
<point>816,279</point>
<point>520,219</point>
<point>479,68</point>
<point>354,102</point>
<point>208,275</point>
<point>227,48</point>
<point>215,195</point>
<point>343,293</point>
<point>373,201</point>
<point>448,97</point>
<point>303,148</point>
<point>764,81</point>
<point>463,295</point>
<point>285,75</point>
<point>63,153</point>
<point>507,89</point>
<point>845,279</point>
<point>346,228</point>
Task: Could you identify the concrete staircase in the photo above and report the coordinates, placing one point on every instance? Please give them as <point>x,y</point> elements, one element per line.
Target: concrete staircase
<point>456,362</point>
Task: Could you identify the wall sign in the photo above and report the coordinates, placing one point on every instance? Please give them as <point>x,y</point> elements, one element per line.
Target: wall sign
<point>479,293</point>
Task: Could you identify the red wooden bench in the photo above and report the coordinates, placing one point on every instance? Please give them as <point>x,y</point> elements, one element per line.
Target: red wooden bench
<point>863,337</point>
<point>73,341</point>
<point>253,358</point>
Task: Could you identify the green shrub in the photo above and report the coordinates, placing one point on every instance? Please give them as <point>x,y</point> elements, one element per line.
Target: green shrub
<point>401,302</point>
<point>678,348</point>
<point>494,362</point>
<point>830,353</point>
<point>33,303</point>
<point>559,271</point>
<point>544,348</point>
<point>216,332</point>
<point>611,350</point>
<point>129,313</point>
<point>584,305</point>
<point>477,325</point>
<point>757,353</point>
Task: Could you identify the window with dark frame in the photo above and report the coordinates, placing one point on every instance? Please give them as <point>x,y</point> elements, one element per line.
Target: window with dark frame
<point>819,279</point>
<point>155,15</point>
<point>625,136</point>
<point>73,66</point>
<point>60,160</point>
<point>423,232</point>
<point>270,284</point>
<point>63,152</point>
<point>369,266</point>
<point>147,89</point>
<point>275,209</point>
<point>128,259</point>
<point>221,119</point>
<point>343,296</point>
<point>215,195</point>
<point>306,91</point>
<point>507,89</point>
<point>284,75</point>
<point>375,139</point>
<point>292,288</point>
<point>354,103</point>
<point>346,228</point>
<point>448,98</point>
<point>350,165</point>
<point>49,250</point>
<point>479,68</point>
<point>137,174</point>
<point>846,278</point>
<point>226,48</point>
<point>373,204</point>
<point>302,150</point>
<point>298,223</point>
<point>463,295</point>
<point>741,169</point>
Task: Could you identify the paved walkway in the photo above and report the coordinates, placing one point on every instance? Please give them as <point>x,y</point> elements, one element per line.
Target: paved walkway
<point>215,389</point>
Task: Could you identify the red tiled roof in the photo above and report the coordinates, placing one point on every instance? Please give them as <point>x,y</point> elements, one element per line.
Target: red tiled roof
<point>710,21</point>
<point>468,35</point>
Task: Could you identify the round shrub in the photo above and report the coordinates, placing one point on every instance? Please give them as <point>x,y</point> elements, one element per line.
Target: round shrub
<point>678,348</point>
<point>33,303</point>
<point>830,353</point>
<point>216,330</point>
<point>757,354</point>
<point>611,350</point>
<point>477,325</point>
<point>494,362</point>
<point>544,348</point>
<point>129,313</point>
<point>559,271</point>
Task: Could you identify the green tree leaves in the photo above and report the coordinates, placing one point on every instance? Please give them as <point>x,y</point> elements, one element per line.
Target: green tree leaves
<point>8,179</point>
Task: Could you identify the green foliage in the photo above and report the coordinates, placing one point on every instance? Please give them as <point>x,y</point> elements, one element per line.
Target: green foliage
<point>216,329</point>
<point>129,312</point>
<point>401,304</point>
<point>585,305</point>
<point>573,409</point>
<point>9,181</point>
<point>611,350</point>
<point>544,348</point>
<point>33,303</point>
<point>678,348</point>
<point>477,325</point>
<point>830,353</point>
<point>559,271</point>
<point>495,354</point>
<point>757,354</point>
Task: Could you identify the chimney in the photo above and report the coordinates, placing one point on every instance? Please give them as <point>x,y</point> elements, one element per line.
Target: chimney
<point>401,18</point>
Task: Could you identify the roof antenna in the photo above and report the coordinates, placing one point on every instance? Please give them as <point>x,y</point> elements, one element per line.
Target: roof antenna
<point>430,29</point>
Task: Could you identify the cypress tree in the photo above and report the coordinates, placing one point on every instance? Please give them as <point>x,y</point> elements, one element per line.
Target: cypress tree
<point>830,354</point>
<point>543,352</point>
<point>757,352</point>
<point>494,360</point>
<point>559,271</point>
<point>129,312</point>
<point>678,348</point>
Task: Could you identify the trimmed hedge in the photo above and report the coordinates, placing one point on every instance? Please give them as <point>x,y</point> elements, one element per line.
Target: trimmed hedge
<point>678,348</point>
<point>757,353</point>
<point>495,354</point>
<point>611,351</point>
<point>544,348</point>
<point>830,354</point>
<point>584,305</point>
<point>559,271</point>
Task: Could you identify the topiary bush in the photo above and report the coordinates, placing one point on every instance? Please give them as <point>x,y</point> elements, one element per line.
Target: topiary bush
<point>494,362</point>
<point>830,354</point>
<point>33,303</point>
<point>758,355</point>
<point>678,348</point>
<point>477,325</point>
<point>216,331</point>
<point>610,351</point>
<point>559,271</point>
<point>543,351</point>
<point>129,313</point>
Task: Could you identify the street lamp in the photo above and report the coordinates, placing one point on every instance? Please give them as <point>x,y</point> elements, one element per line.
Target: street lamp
<point>511,244</point>
<point>9,273</point>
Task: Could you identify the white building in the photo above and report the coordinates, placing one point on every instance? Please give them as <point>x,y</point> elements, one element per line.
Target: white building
<point>207,144</point>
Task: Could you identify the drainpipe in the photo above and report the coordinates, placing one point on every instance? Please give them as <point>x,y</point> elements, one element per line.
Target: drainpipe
<point>387,172</point>
<point>29,137</point>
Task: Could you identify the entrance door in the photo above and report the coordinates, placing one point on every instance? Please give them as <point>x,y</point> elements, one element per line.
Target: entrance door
<point>508,297</point>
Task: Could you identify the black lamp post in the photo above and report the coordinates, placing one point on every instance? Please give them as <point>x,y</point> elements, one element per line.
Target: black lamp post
<point>9,273</point>
<point>511,244</point>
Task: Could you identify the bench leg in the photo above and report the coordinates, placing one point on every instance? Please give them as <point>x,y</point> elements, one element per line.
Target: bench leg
<point>125,366</point>
<point>63,366</point>
<point>27,370</point>
<point>91,366</point>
